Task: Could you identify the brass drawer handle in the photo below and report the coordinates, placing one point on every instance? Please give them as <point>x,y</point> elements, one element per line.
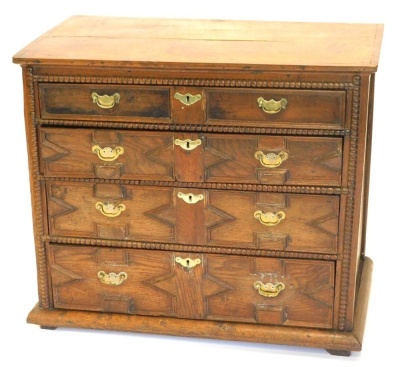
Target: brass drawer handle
<point>187,144</point>
<point>271,160</point>
<point>190,198</point>
<point>271,106</point>
<point>269,219</point>
<point>105,101</point>
<point>187,99</point>
<point>187,263</point>
<point>107,154</point>
<point>112,278</point>
<point>269,289</point>
<point>110,210</point>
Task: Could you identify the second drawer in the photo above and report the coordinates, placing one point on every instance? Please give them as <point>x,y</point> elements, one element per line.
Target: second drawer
<point>186,157</point>
<point>230,219</point>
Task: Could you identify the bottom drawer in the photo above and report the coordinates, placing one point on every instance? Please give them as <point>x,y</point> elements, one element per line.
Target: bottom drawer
<point>194,286</point>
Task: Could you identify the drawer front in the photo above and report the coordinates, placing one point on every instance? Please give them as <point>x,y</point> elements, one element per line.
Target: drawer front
<point>99,102</point>
<point>248,220</point>
<point>109,211</point>
<point>109,154</point>
<point>270,221</point>
<point>273,160</point>
<point>197,286</point>
<point>293,108</point>
<point>184,157</point>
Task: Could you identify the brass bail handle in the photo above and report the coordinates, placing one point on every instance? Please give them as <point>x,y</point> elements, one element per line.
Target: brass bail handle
<point>269,289</point>
<point>107,154</point>
<point>110,210</point>
<point>269,219</point>
<point>271,160</point>
<point>112,278</point>
<point>271,107</point>
<point>105,101</point>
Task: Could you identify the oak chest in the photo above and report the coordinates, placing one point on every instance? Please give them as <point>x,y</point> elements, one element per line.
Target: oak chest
<point>202,178</point>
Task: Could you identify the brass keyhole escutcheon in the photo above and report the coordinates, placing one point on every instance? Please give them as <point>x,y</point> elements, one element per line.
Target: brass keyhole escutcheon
<point>187,144</point>
<point>190,198</point>
<point>188,263</point>
<point>187,99</point>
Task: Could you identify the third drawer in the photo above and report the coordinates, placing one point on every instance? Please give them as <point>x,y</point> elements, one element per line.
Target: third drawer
<point>212,218</point>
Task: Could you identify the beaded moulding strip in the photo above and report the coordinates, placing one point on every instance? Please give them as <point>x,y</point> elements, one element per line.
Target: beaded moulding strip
<point>186,248</point>
<point>201,82</point>
<point>212,186</point>
<point>157,126</point>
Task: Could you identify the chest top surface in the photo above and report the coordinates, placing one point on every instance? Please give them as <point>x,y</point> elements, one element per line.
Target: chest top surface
<point>254,45</point>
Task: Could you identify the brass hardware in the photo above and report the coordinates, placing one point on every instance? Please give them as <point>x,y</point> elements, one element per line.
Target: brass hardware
<point>271,106</point>
<point>188,263</point>
<point>269,289</point>
<point>110,210</point>
<point>105,101</point>
<point>107,154</point>
<point>187,144</point>
<point>269,219</point>
<point>187,99</point>
<point>271,160</point>
<point>190,198</point>
<point>112,278</point>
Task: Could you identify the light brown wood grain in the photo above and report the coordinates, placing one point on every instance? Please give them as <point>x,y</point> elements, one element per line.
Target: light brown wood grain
<point>277,45</point>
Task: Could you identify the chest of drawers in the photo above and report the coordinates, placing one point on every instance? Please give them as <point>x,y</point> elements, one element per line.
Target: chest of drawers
<point>202,178</point>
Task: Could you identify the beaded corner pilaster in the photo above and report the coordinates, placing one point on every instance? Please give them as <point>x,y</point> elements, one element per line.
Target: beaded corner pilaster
<point>44,298</point>
<point>349,213</point>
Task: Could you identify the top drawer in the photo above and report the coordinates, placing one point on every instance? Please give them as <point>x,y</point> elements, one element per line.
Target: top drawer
<point>278,107</point>
<point>104,102</point>
<point>264,108</point>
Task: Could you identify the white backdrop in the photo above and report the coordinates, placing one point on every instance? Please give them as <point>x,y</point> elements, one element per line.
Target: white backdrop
<point>22,344</point>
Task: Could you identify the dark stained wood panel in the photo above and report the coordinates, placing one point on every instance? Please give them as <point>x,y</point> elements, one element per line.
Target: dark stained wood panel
<point>312,109</point>
<point>61,101</point>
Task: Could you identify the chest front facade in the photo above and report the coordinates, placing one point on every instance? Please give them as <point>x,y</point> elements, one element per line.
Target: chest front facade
<point>201,197</point>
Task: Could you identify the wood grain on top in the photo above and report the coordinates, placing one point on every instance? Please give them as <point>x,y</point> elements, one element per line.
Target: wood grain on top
<point>86,40</point>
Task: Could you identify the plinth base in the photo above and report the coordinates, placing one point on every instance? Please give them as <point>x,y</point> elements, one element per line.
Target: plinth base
<point>335,342</point>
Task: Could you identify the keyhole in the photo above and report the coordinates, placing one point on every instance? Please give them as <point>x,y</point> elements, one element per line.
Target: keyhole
<point>190,197</point>
<point>187,99</point>
<point>187,262</point>
<point>187,145</point>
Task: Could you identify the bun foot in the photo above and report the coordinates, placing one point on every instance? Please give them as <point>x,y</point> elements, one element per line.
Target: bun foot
<point>342,353</point>
<point>48,327</point>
